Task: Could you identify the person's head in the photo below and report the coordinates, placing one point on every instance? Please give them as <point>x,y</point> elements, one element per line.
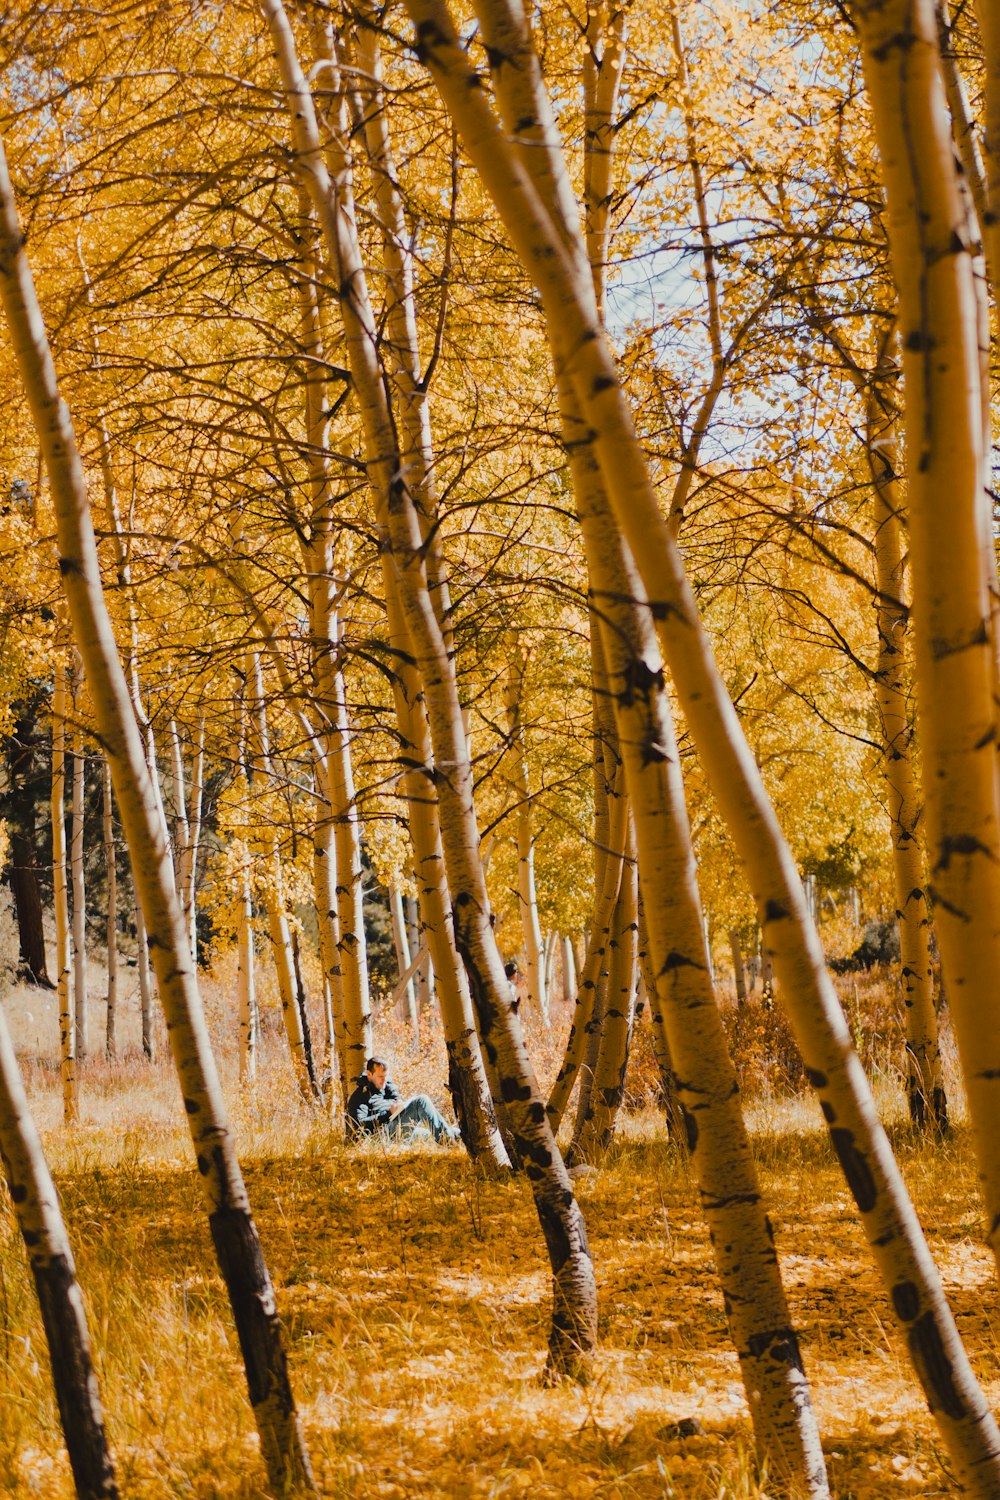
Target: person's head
<point>377,1070</point>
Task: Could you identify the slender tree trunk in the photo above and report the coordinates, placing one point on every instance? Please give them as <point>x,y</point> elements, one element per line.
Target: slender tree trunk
<point>610,834</point>
<point>39,1219</point>
<point>111,1028</point>
<point>181,827</point>
<point>19,807</point>
<point>190,889</point>
<point>277,917</point>
<point>466,1072</point>
<point>408,999</point>
<point>145,981</point>
<point>573,1328</point>
<point>925,1078</point>
<point>739,971</point>
<point>568,970</point>
<point>238,1249</point>
<point>325,886</point>
<point>597,1126</point>
<point>81,1010</point>
<point>60,898</point>
<point>556,264</point>
<point>537,994</point>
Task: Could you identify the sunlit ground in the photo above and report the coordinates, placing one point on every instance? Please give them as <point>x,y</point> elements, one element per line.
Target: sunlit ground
<point>415,1295</point>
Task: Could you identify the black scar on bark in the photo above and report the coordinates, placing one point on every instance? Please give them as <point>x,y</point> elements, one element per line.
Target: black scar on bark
<point>929,1355</point>
<point>829,1113</point>
<point>513,1091</point>
<point>816,1078</point>
<point>906,1301</point>
<point>690,1128</point>
<point>18,1192</point>
<point>191,1105</point>
<point>775,911</point>
<point>856,1169</point>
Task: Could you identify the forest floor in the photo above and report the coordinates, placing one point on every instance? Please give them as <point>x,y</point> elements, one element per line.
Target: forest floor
<point>416,1300</point>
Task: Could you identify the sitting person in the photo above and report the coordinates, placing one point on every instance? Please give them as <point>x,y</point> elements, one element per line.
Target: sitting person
<point>376,1105</point>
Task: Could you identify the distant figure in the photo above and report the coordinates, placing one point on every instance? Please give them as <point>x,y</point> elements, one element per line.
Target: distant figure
<point>376,1105</point>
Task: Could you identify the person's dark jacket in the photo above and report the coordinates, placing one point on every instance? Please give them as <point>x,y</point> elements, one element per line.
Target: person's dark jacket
<point>369,1107</point>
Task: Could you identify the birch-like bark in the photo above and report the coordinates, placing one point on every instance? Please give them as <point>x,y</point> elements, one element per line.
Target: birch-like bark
<point>551,252</point>
<point>60,897</point>
<point>568,969</point>
<point>348,976</point>
<point>527,900</point>
<point>111,1027</point>
<point>238,1249</point>
<point>989,29</point>
<point>934,269</point>
<point>466,1071</point>
<point>924,1074</point>
<point>181,827</point>
<point>277,917</point>
<point>40,1221</point>
<point>596,1128</point>
<point>573,1329</point>
<point>145,978</point>
<point>739,968</point>
<point>610,833</point>
<point>408,998</point>
<point>81,1013</point>
<point>325,887</point>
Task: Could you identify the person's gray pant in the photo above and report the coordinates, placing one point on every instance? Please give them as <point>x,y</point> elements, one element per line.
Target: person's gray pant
<point>420,1110</point>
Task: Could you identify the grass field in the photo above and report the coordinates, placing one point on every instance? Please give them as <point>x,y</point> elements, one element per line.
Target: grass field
<point>415,1295</point>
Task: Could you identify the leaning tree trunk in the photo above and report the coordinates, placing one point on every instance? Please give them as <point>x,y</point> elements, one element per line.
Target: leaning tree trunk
<point>573,1330</point>
<point>466,1070</point>
<point>39,1219</point>
<point>237,1244</point>
<point>557,265</point>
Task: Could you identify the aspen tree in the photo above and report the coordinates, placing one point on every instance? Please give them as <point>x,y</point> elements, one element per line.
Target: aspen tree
<point>145,978</point>
<point>925,1078</point>
<point>40,1221</point>
<point>552,254</point>
<point>181,827</point>
<point>189,869</point>
<point>60,899</point>
<point>610,834</point>
<point>325,888</point>
<point>527,899</point>
<point>467,1071</point>
<point>573,1328</point>
<point>262,772</point>
<point>111,1029</point>
<point>989,28</point>
<point>933,263</point>
<point>246,977</point>
<point>81,1013</point>
<point>568,970</point>
<point>408,999</point>
<point>237,1244</point>
<point>349,972</point>
<point>596,1126</point>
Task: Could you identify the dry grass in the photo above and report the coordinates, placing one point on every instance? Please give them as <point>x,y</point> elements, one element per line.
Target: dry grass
<point>415,1296</point>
